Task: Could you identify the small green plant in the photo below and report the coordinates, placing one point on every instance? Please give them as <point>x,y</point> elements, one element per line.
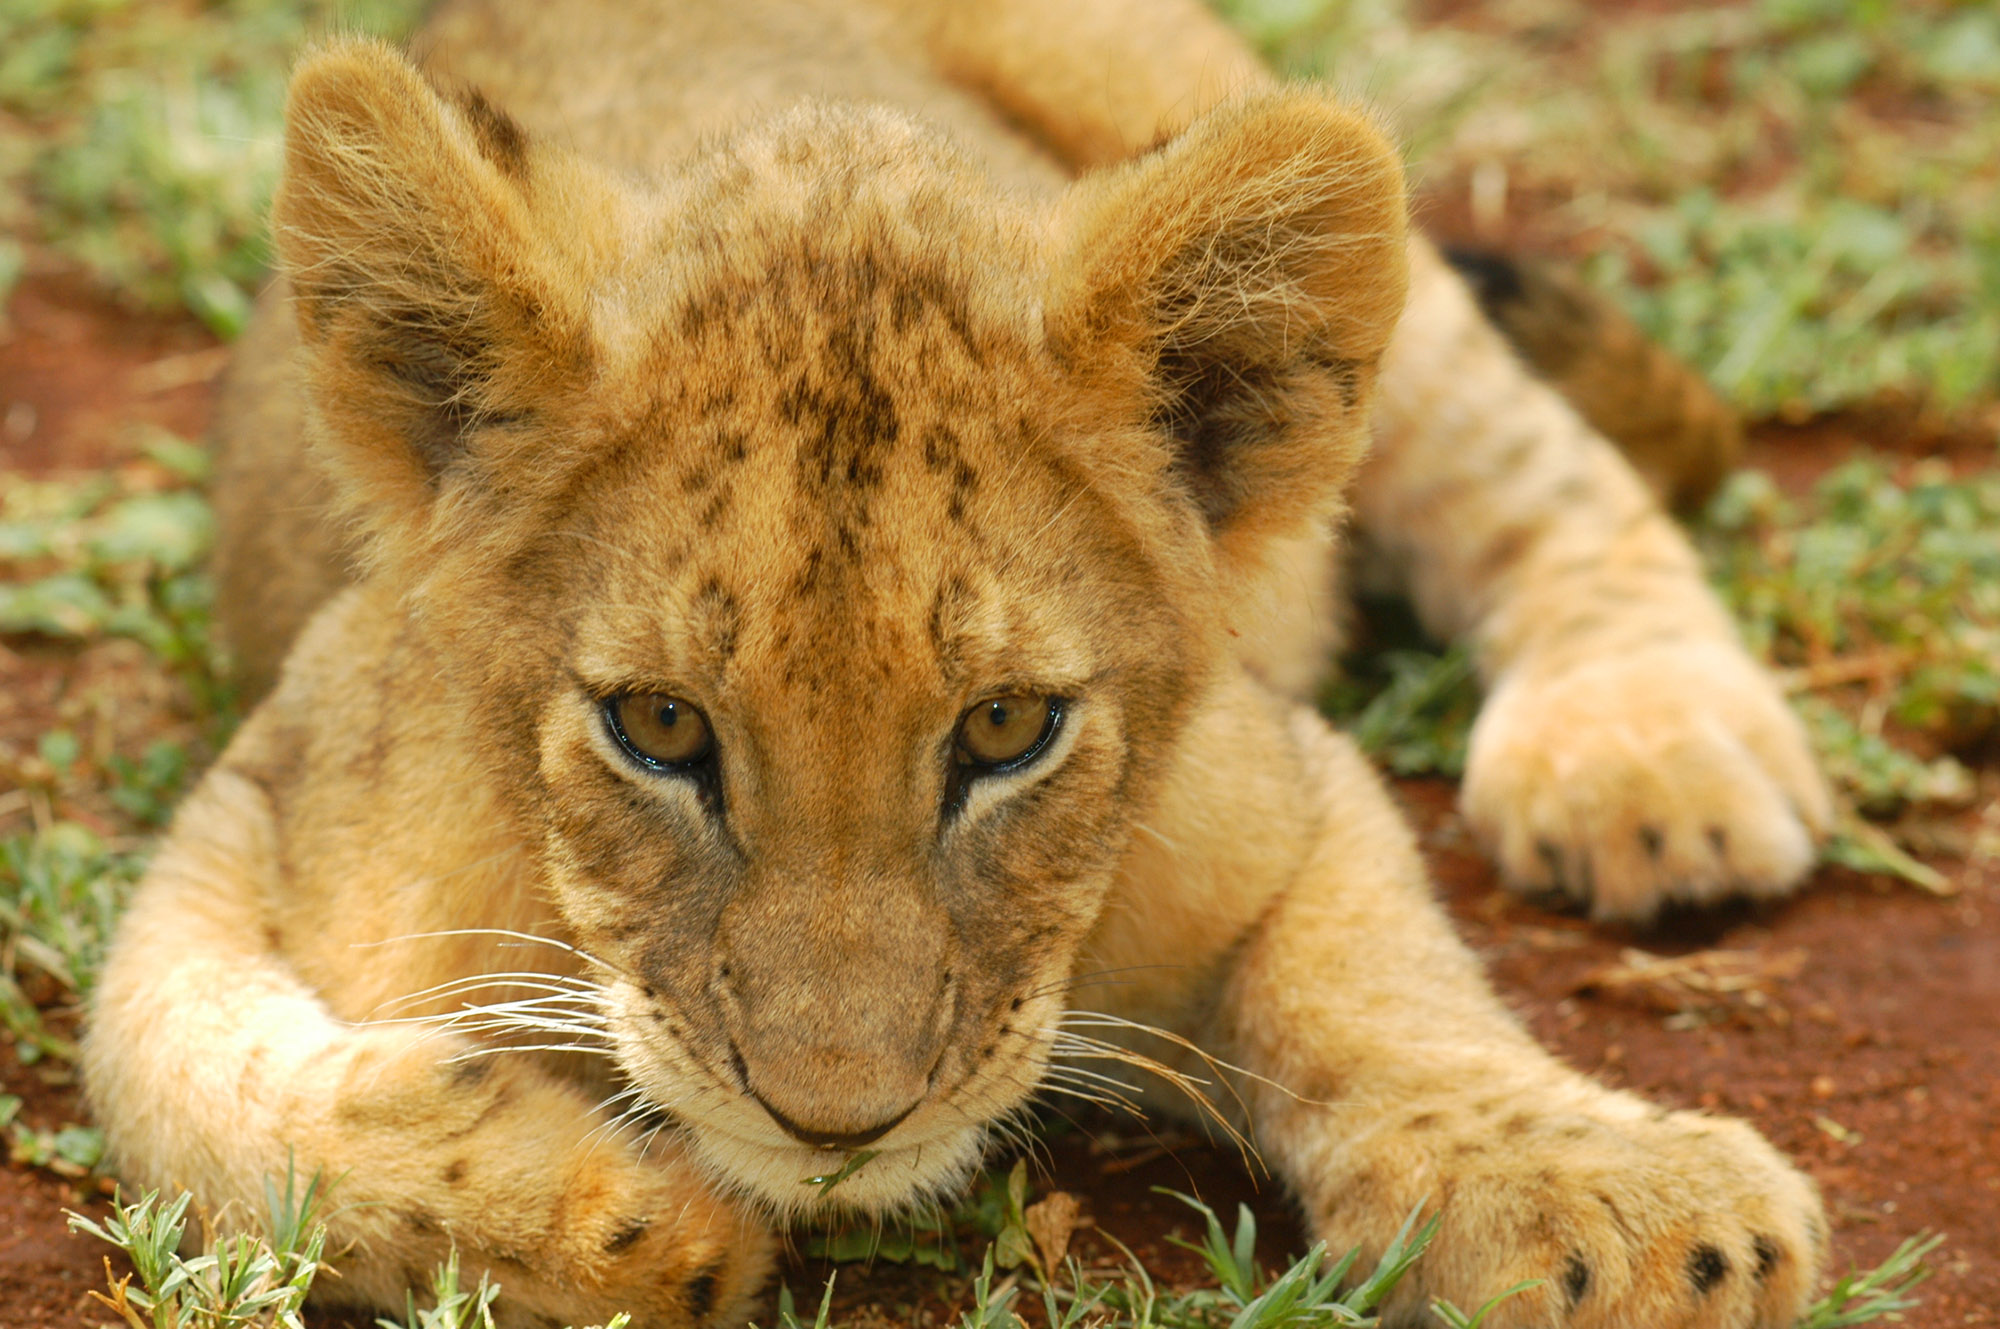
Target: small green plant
<point>61,889</point>
<point>1881,1293</point>
<point>1409,707</point>
<point>240,1281</point>
<point>452,1307</point>
<point>257,1280</point>
<point>68,1150</point>
<point>857,1160</point>
<point>112,556</point>
<point>788,1317</point>
<point>1307,1294</point>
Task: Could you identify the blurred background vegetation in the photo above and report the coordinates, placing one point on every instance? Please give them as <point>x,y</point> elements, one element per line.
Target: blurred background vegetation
<point>1801,196</point>
<point>140,138</point>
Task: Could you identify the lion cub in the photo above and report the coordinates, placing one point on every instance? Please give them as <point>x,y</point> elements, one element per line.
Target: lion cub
<point>810,602</point>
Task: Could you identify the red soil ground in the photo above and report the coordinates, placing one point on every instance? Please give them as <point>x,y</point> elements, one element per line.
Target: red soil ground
<point>1858,1024</point>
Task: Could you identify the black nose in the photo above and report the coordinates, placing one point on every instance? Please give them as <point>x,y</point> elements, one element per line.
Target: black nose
<point>860,1139</point>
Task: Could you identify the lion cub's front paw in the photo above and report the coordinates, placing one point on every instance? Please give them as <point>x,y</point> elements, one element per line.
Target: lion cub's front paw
<point>1672,773</point>
<point>1626,1215</point>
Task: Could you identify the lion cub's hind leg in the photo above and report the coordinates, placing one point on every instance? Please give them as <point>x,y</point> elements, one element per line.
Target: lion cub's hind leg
<point>211,1067</point>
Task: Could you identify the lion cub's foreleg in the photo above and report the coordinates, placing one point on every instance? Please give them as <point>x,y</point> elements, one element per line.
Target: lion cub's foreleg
<point>1630,752</point>
<point>1406,1082</point>
<point>1384,1075</point>
<point>212,1067</point>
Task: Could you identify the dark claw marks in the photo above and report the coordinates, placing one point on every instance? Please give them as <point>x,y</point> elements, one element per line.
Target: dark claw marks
<point>627,1237</point>
<point>1576,1279</point>
<point>1568,877</point>
<point>1768,1255</point>
<point>1707,1267</point>
<point>469,1074</point>
<point>701,1292</point>
<point>1552,859</point>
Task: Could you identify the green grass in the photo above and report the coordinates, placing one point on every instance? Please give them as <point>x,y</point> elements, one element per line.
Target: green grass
<point>1850,250</point>
<point>85,562</point>
<point>1800,196</point>
<point>146,133</point>
<point>1410,706</point>
<point>258,1278</point>
<point>1879,598</point>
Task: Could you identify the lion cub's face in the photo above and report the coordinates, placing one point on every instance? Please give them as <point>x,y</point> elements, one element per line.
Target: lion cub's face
<point>860,674</point>
<point>830,550</point>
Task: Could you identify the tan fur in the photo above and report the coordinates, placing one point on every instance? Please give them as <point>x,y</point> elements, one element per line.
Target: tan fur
<point>1680,437</point>
<point>673,385</point>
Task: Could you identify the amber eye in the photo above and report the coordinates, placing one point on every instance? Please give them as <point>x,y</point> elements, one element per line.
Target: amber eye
<point>1005,731</point>
<point>659,730</point>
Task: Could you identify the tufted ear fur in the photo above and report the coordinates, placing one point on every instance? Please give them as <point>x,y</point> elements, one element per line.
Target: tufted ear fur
<point>1240,284</point>
<point>440,304</point>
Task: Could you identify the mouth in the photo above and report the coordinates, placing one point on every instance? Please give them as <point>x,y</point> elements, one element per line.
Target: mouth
<point>795,1181</point>
<point>930,1151</point>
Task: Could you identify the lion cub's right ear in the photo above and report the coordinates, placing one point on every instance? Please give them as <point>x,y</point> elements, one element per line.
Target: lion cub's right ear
<point>440,303</point>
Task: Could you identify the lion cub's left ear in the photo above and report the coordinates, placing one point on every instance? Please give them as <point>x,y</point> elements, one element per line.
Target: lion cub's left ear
<point>1242,282</point>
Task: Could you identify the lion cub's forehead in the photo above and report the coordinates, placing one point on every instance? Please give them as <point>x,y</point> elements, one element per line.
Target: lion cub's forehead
<point>850,214</point>
<point>841,424</point>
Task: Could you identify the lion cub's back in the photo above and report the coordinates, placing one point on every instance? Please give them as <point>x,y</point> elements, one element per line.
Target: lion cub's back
<point>637,82</point>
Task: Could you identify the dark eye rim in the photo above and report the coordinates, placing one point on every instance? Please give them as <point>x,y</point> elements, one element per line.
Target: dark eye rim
<point>694,765</point>
<point>970,766</point>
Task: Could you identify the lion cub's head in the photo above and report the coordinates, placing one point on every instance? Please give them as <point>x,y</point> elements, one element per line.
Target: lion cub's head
<point>828,549</point>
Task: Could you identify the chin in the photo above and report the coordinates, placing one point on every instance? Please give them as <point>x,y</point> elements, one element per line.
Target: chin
<point>788,1180</point>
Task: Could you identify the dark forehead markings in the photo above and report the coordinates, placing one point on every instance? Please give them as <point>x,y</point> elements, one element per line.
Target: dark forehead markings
<point>811,568</point>
<point>943,457</point>
<point>848,419</point>
<point>964,484</point>
<point>831,317</point>
<point>717,507</point>
<point>940,448</point>
<point>720,615</point>
<point>920,289</point>
<point>949,605</point>
<point>497,134</point>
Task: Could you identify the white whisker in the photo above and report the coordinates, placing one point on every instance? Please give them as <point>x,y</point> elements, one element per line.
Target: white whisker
<point>523,978</point>
<point>509,933</point>
<point>492,1050</point>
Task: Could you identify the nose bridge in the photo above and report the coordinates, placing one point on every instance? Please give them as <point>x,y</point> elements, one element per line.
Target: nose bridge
<point>834,952</point>
<point>832,745</point>
<point>837,994</point>
<point>837,941</point>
